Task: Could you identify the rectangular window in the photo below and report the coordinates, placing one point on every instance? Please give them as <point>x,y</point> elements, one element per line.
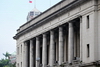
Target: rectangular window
<point>18,64</point>
<point>17,50</point>
<point>21,48</point>
<point>21,64</point>
<point>31,13</point>
<point>88,21</point>
<point>88,50</point>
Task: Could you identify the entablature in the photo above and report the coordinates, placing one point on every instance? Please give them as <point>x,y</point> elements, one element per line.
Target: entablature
<point>50,17</point>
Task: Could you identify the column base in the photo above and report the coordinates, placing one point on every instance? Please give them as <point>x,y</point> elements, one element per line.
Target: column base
<point>80,64</point>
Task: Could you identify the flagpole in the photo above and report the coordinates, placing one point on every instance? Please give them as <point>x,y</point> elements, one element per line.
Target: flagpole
<point>34,3</point>
<point>50,3</point>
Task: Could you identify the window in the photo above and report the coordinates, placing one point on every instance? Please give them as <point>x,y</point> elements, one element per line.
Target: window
<point>21,48</point>
<point>88,50</point>
<point>21,64</point>
<point>88,21</point>
<point>17,50</point>
<point>18,64</point>
<point>37,13</point>
<point>31,13</point>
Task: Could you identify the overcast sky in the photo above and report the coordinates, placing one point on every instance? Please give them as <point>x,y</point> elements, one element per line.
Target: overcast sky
<point>13,14</point>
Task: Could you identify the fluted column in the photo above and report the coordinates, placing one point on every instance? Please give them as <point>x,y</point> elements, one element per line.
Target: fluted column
<point>70,43</point>
<point>44,51</point>
<point>37,52</point>
<point>61,46</point>
<point>31,54</point>
<point>26,55</point>
<point>52,49</point>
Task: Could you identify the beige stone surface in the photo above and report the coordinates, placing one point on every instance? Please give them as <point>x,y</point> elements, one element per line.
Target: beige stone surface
<point>87,36</point>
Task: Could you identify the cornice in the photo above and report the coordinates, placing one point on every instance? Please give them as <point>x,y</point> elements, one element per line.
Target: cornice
<point>50,17</point>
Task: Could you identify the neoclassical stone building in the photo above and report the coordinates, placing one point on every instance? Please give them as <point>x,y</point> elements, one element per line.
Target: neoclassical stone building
<point>66,35</point>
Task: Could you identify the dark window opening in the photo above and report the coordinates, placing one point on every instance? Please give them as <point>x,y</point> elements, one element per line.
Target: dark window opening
<point>21,48</point>
<point>21,64</point>
<point>88,21</point>
<point>88,50</point>
<point>18,50</point>
<point>47,54</point>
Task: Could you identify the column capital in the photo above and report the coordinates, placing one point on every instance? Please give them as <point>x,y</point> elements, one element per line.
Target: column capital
<point>25,43</point>
<point>52,32</point>
<point>60,28</point>
<point>70,25</point>
<point>37,38</point>
<point>31,41</point>
<point>80,19</point>
<point>44,34</point>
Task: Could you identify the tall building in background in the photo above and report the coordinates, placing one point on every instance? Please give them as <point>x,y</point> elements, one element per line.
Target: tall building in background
<point>33,13</point>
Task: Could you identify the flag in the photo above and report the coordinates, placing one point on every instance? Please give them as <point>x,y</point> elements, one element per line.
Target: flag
<point>30,1</point>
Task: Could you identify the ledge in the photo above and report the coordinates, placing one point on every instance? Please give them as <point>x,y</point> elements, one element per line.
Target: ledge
<point>50,17</point>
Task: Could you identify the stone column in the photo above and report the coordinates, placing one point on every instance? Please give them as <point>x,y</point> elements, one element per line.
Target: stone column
<point>70,43</point>
<point>44,51</point>
<point>81,39</point>
<point>52,49</point>
<point>26,55</point>
<point>31,54</point>
<point>61,46</point>
<point>23,54</point>
<point>37,52</point>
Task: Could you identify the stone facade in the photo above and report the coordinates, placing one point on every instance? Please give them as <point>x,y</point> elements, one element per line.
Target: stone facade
<point>66,35</point>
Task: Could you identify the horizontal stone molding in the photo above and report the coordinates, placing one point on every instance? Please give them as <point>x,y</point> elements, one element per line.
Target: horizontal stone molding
<point>52,16</point>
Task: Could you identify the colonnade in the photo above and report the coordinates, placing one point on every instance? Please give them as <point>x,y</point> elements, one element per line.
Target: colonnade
<point>34,57</point>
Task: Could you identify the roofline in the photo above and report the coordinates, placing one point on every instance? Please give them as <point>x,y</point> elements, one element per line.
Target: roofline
<point>42,13</point>
<point>67,7</point>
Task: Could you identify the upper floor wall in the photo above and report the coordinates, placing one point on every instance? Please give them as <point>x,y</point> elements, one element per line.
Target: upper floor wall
<point>78,10</point>
<point>45,14</point>
<point>83,9</point>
